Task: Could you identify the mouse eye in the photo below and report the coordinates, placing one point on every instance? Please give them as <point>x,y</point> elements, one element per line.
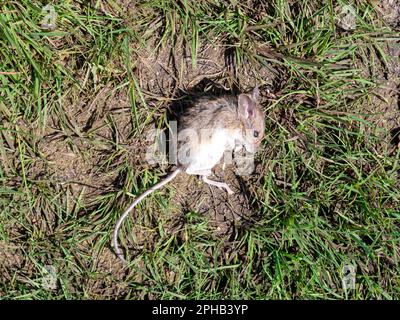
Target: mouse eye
<point>256,134</point>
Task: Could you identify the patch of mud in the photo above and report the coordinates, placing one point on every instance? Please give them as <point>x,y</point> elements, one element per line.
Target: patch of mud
<point>169,69</point>
<point>383,109</point>
<point>385,105</point>
<point>74,149</point>
<point>389,11</point>
<point>11,258</point>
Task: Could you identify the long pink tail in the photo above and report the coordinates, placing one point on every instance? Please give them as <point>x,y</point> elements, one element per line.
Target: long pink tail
<point>163,182</point>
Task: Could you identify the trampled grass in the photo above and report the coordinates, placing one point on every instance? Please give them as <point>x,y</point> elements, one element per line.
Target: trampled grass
<point>76,104</point>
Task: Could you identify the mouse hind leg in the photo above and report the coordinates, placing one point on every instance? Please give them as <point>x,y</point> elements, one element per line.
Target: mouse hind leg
<point>220,185</point>
<point>204,176</point>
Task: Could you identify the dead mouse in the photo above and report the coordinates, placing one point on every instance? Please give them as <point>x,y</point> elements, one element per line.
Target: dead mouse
<point>209,127</point>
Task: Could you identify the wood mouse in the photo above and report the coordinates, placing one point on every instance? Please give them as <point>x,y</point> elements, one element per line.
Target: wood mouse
<point>207,128</point>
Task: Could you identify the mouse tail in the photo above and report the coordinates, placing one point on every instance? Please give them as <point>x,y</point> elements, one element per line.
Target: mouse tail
<point>163,182</point>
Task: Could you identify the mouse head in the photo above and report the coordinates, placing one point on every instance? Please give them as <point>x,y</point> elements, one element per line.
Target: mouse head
<point>252,118</point>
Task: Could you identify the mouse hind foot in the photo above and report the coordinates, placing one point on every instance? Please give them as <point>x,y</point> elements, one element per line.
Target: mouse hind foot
<point>220,185</point>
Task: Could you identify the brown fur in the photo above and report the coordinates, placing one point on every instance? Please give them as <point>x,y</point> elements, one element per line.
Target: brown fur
<point>213,113</point>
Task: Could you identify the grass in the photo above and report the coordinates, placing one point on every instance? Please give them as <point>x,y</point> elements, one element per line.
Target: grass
<point>76,103</point>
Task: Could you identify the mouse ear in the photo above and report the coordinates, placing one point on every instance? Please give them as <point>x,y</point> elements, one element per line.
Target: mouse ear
<point>246,106</point>
<point>255,93</point>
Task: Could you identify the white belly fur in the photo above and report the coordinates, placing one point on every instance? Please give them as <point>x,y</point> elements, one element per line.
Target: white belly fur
<point>207,155</point>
